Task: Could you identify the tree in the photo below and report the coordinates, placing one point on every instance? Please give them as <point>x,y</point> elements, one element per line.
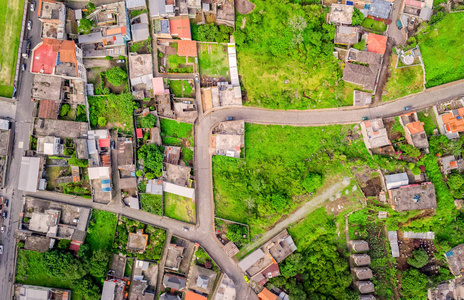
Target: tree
<point>312,182</point>
<point>148,121</point>
<point>64,110</point>
<point>235,232</point>
<point>414,285</point>
<point>410,150</point>
<point>416,171</point>
<point>357,18</point>
<point>85,26</point>
<point>116,76</point>
<point>102,121</point>
<point>455,181</point>
<point>98,263</point>
<point>152,159</point>
<point>419,258</point>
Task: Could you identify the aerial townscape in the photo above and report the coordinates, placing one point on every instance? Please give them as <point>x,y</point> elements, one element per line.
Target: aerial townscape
<point>232,150</point>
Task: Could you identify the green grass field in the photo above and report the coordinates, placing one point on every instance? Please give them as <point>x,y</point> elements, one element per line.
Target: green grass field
<point>179,208</point>
<point>181,88</point>
<point>176,133</point>
<point>374,25</point>
<point>442,47</point>
<point>427,117</point>
<point>213,60</point>
<point>403,81</point>
<point>152,203</point>
<point>11,13</point>
<point>101,230</point>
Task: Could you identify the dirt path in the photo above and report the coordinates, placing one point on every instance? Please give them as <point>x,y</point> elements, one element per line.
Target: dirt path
<point>299,213</point>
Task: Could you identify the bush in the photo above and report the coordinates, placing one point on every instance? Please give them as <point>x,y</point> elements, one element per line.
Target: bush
<point>138,173</point>
<point>360,46</point>
<point>102,121</point>
<point>108,57</point>
<point>152,158</point>
<point>81,113</point>
<point>416,171</point>
<point>312,182</point>
<point>64,110</point>
<point>414,285</point>
<point>73,161</point>
<point>152,203</point>
<point>68,151</point>
<point>148,121</point>
<point>211,33</point>
<point>357,19</point>
<point>85,26</point>
<point>419,259</point>
<point>116,76</point>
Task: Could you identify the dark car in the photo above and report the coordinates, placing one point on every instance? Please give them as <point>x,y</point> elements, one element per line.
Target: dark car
<point>112,145</point>
<point>399,24</point>
<point>229,118</point>
<point>23,67</point>
<point>4,214</point>
<point>7,202</point>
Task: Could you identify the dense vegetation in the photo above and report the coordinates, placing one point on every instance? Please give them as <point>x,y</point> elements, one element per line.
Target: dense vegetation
<point>441,46</point>
<point>114,109</point>
<point>152,160</point>
<point>211,32</point>
<point>175,133</point>
<point>116,76</point>
<point>152,203</point>
<point>285,57</point>
<point>149,121</point>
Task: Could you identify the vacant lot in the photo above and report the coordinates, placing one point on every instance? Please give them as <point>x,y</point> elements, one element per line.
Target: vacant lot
<point>403,81</point>
<point>374,25</point>
<point>179,208</point>
<point>176,133</point>
<point>442,47</point>
<point>11,14</point>
<point>112,111</point>
<point>213,60</point>
<point>152,203</point>
<point>181,88</point>
<point>101,230</point>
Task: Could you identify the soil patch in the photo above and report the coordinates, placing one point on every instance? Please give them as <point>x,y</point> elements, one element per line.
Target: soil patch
<point>244,6</point>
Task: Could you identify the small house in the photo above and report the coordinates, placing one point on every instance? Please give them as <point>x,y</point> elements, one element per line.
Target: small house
<point>358,246</point>
<point>413,197</point>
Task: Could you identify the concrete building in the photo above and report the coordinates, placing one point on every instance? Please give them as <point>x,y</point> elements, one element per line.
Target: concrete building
<point>455,259</point>
<point>341,14</point>
<point>414,130</point>
<point>361,98</point>
<point>448,163</point>
<point>29,173</point>
<point>412,197</point>
<point>137,242</point>
<point>52,14</point>
<point>362,68</point>
<point>225,290</point>
<point>453,122</point>
<point>397,180</point>
<point>375,134</point>
<point>31,292</point>
<point>174,281</point>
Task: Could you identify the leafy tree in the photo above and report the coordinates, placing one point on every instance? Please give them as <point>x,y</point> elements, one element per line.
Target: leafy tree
<point>85,26</point>
<point>87,288</point>
<point>312,182</point>
<point>419,258</point>
<point>68,151</point>
<point>235,233</point>
<point>64,109</point>
<point>211,33</point>
<point>416,171</point>
<point>410,150</point>
<point>64,264</point>
<point>414,285</point>
<point>102,121</point>
<point>455,181</point>
<point>148,121</point>
<point>91,8</point>
<point>138,173</point>
<point>116,76</point>
<point>152,158</point>
<point>278,202</point>
<point>81,113</point>
<point>98,263</point>
<point>357,18</point>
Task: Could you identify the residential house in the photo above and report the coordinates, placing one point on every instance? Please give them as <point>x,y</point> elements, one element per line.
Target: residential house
<point>48,109</point>
<point>174,257</point>
<point>397,180</point>
<point>49,145</point>
<point>161,8</point>
<point>362,68</point>
<point>374,133</point>
<point>52,14</point>
<point>113,289</point>
<point>31,292</point>
<point>413,197</point>
<point>141,73</point>
<point>455,259</point>
<point>361,98</point>
<point>364,287</point>
<point>360,260</point>
<point>175,282</point>
<point>60,58</point>
<point>139,28</point>
<point>136,4</point>
<point>414,130</point>
<point>380,9</point>
<point>341,14</point>
<point>137,242</point>
<point>358,246</point>
<point>180,27</point>
<point>161,28</point>
<point>347,35</point>
<point>29,173</point>
<point>225,12</point>
<point>266,294</point>
<point>453,122</point>
<point>189,295</point>
<point>201,280</point>
<point>226,289</point>
<point>48,88</point>
<point>376,43</point>
<point>187,48</point>
<point>448,163</point>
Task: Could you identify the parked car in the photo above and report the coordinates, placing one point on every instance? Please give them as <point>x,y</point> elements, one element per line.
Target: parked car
<point>7,202</point>
<point>365,118</point>
<point>399,24</point>
<point>32,6</point>
<point>121,61</point>
<point>229,118</point>
<point>197,79</point>
<point>413,19</point>
<point>23,67</point>
<point>29,25</point>
<point>4,214</point>
<point>2,230</point>
<point>406,108</point>
<point>1,249</point>
<point>112,145</point>
<point>186,229</point>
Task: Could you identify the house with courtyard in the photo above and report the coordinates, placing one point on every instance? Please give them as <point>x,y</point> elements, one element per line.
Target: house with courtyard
<point>201,280</point>
<point>413,197</point>
<point>374,134</point>
<point>341,14</point>
<point>52,15</point>
<point>376,43</point>
<point>347,35</point>
<point>455,260</point>
<point>362,68</point>
<point>414,131</point>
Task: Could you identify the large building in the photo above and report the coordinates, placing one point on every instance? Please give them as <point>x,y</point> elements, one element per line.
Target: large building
<point>374,133</point>
<point>413,197</point>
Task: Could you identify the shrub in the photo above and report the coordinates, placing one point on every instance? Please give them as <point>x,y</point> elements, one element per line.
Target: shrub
<point>148,121</point>
<point>419,259</point>
<point>138,173</point>
<point>68,151</point>
<point>64,109</point>
<point>102,121</point>
<point>416,171</point>
<point>360,46</point>
<point>108,57</point>
<point>116,76</point>
<point>85,26</point>
<point>357,19</point>
<point>312,182</point>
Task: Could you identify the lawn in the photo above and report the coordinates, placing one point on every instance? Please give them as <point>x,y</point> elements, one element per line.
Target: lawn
<point>178,64</point>
<point>442,47</point>
<point>179,208</point>
<point>283,67</point>
<point>403,81</point>
<point>176,133</point>
<point>152,203</point>
<point>213,60</point>
<point>181,88</point>
<point>428,117</point>
<point>11,13</point>
<point>101,230</point>
<point>374,25</point>
<point>271,181</point>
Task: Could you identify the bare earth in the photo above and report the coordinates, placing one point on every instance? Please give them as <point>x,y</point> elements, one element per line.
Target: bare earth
<point>244,7</point>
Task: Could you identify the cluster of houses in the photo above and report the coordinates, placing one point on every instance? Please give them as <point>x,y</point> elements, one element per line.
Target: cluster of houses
<point>360,270</point>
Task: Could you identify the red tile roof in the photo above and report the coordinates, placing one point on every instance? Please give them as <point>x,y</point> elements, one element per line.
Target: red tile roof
<point>48,109</point>
<point>139,133</point>
<point>454,123</point>
<point>414,3</point>
<point>187,48</point>
<point>376,43</point>
<point>267,295</point>
<point>415,127</point>
<point>104,143</point>
<point>189,295</point>
<point>44,56</point>
<point>180,27</point>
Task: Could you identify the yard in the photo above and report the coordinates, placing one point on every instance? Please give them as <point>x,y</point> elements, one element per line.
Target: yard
<point>182,88</point>
<point>428,117</point>
<point>152,203</point>
<point>374,25</point>
<point>179,208</point>
<point>101,230</point>
<point>52,173</point>
<point>11,13</point>
<point>213,61</point>
<point>176,133</point>
<point>112,111</point>
<point>403,81</point>
<point>442,47</point>
<point>286,68</point>
<point>180,64</point>
<point>107,76</point>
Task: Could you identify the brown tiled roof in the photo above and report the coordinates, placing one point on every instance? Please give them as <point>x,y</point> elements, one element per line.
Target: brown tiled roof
<point>187,48</point>
<point>48,109</point>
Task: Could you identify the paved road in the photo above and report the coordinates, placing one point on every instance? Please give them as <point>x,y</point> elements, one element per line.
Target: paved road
<point>23,129</point>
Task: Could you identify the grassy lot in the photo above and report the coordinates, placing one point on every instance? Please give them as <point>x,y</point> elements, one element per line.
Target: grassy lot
<point>11,13</point>
<point>178,64</point>
<point>403,81</point>
<point>283,67</point>
<point>112,111</point>
<point>152,203</point>
<point>176,133</point>
<point>181,88</point>
<point>427,117</point>
<point>442,47</point>
<point>101,230</point>
<point>270,182</point>
<point>213,60</point>
<point>53,173</point>
<point>374,25</point>
<point>179,208</point>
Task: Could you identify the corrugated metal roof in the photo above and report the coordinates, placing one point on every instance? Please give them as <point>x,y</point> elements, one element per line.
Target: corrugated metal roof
<point>251,259</point>
<point>393,238</point>
<point>29,174</point>
<point>394,181</point>
<point>131,4</point>
<point>419,235</point>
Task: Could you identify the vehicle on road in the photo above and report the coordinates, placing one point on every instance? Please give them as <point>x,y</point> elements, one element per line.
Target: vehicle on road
<point>246,279</point>
<point>365,118</point>
<point>7,202</point>
<point>406,108</point>
<point>229,118</point>
<point>399,24</point>
<point>29,25</point>
<point>4,214</point>
<point>186,229</point>
<point>1,249</point>
<point>23,67</point>
<point>26,49</point>
<point>197,80</point>
<point>413,19</point>
<point>32,6</point>
<point>121,61</point>
<point>2,230</point>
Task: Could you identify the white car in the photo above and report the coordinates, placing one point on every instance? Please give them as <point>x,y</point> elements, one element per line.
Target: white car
<point>2,230</point>
<point>186,229</point>
<point>1,249</point>
<point>29,25</point>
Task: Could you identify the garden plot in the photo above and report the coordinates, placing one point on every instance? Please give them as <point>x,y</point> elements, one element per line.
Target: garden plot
<point>213,61</point>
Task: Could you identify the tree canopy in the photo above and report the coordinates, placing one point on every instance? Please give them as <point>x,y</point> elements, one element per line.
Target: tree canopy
<point>116,76</point>
<point>152,158</point>
<point>419,258</point>
<point>211,33</point>
<point>414,285</point>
